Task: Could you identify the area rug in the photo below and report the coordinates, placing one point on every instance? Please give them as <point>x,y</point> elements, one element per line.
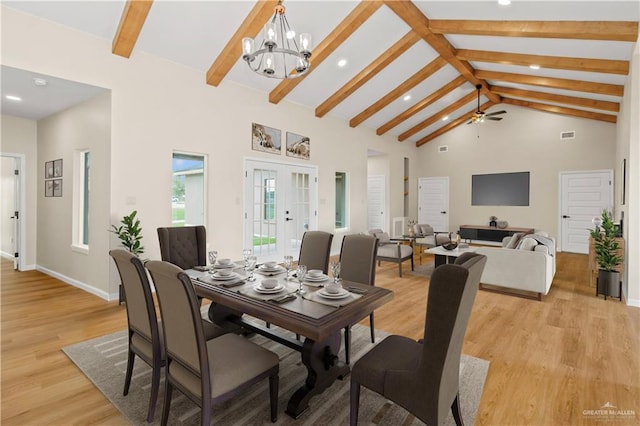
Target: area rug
<point>424,270</point>
<point>103,361</point>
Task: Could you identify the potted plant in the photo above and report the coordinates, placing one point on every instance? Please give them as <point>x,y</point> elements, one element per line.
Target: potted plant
<point>130,234</point>
<point>607,256</point>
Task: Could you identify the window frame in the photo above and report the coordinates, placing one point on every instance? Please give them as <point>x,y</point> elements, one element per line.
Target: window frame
<point>345,201</point>
<point>204,158</point>
<point>81,201</point>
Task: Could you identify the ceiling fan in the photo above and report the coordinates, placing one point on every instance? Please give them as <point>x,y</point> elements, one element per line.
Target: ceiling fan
<point>480,116</point>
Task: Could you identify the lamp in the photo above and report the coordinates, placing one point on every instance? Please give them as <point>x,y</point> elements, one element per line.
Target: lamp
<point>279,54</point>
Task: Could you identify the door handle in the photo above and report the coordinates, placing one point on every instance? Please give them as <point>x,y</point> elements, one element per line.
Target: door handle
<point>443,212</point>
<point>564,216</point>
<point>288,219</point>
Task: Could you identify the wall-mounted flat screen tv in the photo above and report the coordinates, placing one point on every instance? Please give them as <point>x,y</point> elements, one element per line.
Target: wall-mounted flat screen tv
<point>500,189</point>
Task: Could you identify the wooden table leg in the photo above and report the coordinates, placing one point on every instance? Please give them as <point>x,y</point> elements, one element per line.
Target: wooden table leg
<point>323,368</point>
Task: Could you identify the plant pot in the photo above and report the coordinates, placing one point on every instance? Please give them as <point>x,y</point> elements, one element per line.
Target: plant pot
<point>609,283</point>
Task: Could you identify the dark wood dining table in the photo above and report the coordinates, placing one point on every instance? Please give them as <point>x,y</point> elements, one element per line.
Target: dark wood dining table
<point>319,323</point>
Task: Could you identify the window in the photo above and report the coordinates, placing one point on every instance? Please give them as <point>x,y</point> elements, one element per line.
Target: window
<point>341,200</point>
<point>82,187</point>
<point>188,193</point>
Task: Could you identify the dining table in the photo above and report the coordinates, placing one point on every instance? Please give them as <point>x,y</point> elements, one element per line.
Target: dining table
<point>314,316</point>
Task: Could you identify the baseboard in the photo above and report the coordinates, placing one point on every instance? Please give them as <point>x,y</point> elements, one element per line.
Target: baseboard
<point>633,302</point>
<point>79,284</point>
<point>6,255</point>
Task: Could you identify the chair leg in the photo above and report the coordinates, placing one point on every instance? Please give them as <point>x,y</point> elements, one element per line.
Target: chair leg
<point>355,403</point>
<point>347,344</point>
<point>273,395</point>
<point>400,268</point>
<point>371,326</point>
<point>455,409</point>
<point>155,386</point>
<point>127,378</point>
<point>205,415</point>
<point>168,388</point>
<point>412,263</point>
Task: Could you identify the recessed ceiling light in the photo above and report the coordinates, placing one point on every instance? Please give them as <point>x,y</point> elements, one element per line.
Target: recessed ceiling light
<point>534,67</point>
<point>406,98</point>
<point>504,2</point>
<point>445,118</point>
<point>342,63</point>
<point>40,81</point>
<point>13,98</point>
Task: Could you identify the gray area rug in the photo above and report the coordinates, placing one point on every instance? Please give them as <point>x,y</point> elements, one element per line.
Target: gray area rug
<point>424,270</point>
<point>103,361</point>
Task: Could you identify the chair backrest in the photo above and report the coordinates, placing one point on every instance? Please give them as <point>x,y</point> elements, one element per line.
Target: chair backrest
<point>358,258</point>
<point>315,250</point>
<point>141,312</point>
<point>452,291</point>
<point>383,237</point>
<point>423,229</point>
<point>184,339</point>
<point>184,246</point>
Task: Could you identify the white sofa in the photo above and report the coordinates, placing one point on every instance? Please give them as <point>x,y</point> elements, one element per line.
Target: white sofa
<point>529,267</point>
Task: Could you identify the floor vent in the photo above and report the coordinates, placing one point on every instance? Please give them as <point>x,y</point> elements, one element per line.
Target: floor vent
<point>571,134</point>
<point>443,148</point>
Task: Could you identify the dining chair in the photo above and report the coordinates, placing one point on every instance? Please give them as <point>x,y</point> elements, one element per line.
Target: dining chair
<point>206,372</point>
<point>184,246</point>
<point>315,250</point>
<point>358,264</point>
<point>423,376</point>
<point>144,330</point>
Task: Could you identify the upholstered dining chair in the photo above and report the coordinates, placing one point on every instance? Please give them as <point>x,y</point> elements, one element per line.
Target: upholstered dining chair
<point>207,372</point>
<point>315,250</point>
<point>358,264</point>
<point>184,246</point>
<point>428,238</point>
<point>423,376</point>
<point>392,250</point>
<point>145,331</point>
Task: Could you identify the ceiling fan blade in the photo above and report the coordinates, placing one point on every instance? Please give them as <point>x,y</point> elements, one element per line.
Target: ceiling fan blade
<point>495,113</point>
<point>494,118</point>
<point>469,122</point>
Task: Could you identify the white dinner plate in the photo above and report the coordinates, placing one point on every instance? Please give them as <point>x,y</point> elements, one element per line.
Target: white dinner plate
<point>316,279</point>
<point>274,269</point>
<point>340,295</point>
<point>219,266</point>
<point>216,276</point>
<point>276,289</point>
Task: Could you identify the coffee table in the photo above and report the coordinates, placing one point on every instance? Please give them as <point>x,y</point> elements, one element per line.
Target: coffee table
<point>443,255</point>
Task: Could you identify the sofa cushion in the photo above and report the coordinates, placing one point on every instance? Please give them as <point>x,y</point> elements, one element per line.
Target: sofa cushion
<point>514,240</point>
<point>527,244</point>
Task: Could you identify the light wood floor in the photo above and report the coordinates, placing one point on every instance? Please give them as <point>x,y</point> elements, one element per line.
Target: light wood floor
<point>550,360</point>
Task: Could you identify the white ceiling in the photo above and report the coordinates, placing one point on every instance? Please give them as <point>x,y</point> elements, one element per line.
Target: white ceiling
<point>193,33</point>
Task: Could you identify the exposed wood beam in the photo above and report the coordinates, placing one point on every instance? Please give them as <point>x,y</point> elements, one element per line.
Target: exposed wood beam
<point>453,84</point>
<point>400,90</point>
<point>133,16</point>
<point>413,16</point>
<point>439,115</point>
<point>562,110</point>
<point>250,27</point>
<point>556,83</point>
<point>557,62</point>
<point>348,26</point>
<point>455,123</point>
<point>581,30</point>
<point>369,72</point>
<point>561,99</point>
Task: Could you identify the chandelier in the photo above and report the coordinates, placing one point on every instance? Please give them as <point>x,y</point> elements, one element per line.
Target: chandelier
<point>279,54</point>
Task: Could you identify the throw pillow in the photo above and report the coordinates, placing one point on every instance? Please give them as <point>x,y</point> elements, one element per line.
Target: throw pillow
<point>527,244</point>
<point>515,239</point>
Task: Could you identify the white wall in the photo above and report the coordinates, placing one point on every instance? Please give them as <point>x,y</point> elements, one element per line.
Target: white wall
<point>85,126</point>
<point>159,106</point>
<point>19,136</point>
<point>525,140</point>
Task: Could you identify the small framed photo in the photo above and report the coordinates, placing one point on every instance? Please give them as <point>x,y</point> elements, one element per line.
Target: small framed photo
<point>298,146</point>
<point>266,139</point>
<point>57,187</point>
<point>48,188</point>
<point>48,169</point>
<point>57,168</point>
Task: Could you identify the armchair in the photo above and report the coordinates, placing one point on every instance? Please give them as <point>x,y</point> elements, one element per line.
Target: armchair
<point>392,250</point>
<point>428,238</point>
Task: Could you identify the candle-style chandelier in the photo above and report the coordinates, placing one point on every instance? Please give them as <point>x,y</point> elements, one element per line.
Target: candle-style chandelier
<point>279,54</point>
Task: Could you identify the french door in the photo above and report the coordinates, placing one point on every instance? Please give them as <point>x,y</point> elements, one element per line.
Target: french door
<point>280,205</point>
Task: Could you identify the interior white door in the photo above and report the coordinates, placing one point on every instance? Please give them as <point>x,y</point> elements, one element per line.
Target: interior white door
<point>433,202</point>
<point>376,199</point>
<point>11,209</point>
<point>280,205</point>
<point>583,196</point>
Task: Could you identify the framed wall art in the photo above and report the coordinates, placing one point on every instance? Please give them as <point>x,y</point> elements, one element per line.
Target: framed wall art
<point>266,139</point>
<point>623,181</point>
<point>57,168</point>
<point>57,187</point>
<point>48,188</point>
<point>298,146</point>
<point>48,169</point>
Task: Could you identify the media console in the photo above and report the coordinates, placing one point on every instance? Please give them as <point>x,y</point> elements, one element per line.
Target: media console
<point>489,233</point>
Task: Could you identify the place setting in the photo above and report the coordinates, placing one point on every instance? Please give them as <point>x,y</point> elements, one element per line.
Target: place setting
<point>270,268</point>
<point>332,292</point>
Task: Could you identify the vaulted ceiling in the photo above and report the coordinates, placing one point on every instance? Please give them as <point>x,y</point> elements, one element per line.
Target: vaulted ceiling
<point>412,66</point>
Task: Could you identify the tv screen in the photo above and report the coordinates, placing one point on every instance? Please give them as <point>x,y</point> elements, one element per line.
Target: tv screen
<point>500,189</point>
